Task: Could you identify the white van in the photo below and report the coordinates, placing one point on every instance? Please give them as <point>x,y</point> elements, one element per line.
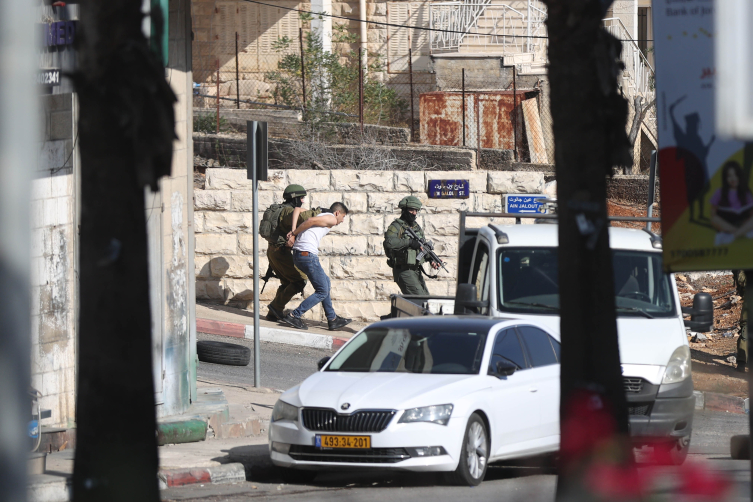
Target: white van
<point>511,271</point>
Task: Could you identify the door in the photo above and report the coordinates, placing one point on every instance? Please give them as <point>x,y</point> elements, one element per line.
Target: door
<point>543,353</point>
<point>516,418</point>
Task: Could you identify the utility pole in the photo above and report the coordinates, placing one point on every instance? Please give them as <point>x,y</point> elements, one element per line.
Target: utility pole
<point>126,132</point>
<point>589,120</point>
<point>18,154</point>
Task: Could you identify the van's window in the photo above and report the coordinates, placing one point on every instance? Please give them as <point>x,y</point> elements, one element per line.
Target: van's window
<point>539,345</point>
<point>528,283</point>
<point>480,274</point>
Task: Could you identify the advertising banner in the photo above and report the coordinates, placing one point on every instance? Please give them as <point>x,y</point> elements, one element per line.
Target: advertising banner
<point>706,199</point>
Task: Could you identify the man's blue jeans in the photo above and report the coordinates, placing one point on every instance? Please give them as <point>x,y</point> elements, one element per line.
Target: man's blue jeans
<point>310,266</point>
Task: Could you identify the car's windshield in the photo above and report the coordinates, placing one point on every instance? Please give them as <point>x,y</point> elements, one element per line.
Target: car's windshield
<point>412,351</point>
<point>528,282</point>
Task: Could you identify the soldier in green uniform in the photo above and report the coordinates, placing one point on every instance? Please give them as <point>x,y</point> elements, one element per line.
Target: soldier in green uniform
<point>742,341</point>
<point>402,250</point>
<point>292,280</point>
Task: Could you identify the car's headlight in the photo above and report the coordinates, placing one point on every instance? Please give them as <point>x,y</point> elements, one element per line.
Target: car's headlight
<point>438,414</point>
<point>678,367</point>
<point>284,411</point>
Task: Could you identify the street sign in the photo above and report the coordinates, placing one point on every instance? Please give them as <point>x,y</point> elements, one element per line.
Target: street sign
<point>449,189</point>
<point>525,203</point>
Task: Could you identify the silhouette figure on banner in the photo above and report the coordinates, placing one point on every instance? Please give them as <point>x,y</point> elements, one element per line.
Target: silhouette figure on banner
<point>693,152</point>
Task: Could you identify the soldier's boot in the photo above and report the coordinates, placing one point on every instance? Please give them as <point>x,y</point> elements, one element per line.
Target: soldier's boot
<point>274,314</point>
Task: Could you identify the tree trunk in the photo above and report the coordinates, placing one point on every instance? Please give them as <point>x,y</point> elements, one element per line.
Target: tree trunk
<point>589,119</point>
<point>126,126</point>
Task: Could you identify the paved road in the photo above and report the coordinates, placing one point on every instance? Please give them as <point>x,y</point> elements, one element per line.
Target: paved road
<point>282,366</point>
<point>285,366</point>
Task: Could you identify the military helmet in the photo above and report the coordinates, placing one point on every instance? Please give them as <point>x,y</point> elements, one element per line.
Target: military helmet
<point>293,191</point>
<point>410,202</point>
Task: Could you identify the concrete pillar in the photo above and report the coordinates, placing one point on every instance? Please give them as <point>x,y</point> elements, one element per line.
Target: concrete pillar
<point>323,24</point>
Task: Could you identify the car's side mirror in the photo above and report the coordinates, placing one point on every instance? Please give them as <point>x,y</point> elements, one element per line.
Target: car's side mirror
<point>701,313</point>
<point>466,299</point>
<point>321,362</point>
<point>503,368</point>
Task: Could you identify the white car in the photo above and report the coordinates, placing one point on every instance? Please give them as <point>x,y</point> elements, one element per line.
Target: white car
<point>425,394</point>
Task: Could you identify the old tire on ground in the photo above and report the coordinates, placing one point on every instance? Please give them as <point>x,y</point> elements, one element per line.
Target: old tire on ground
<point>223,353</point>
<point>739,447</point>
<point>474,454</point>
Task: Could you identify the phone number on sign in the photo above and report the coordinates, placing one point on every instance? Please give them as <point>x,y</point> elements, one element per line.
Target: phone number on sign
<point>699,253</point>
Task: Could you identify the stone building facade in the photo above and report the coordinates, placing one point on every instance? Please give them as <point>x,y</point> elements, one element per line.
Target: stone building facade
<point>352,254</point>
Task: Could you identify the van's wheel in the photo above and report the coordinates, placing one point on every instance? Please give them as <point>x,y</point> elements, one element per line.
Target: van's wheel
<point>739,447</point>
<point>673,452</point>
<point>297,476</point>
<point>474,454</point>
<point>223,353</point>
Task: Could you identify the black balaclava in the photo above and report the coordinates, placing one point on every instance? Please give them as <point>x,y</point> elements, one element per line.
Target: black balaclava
<point>296,202</point>
<point>408,217</point>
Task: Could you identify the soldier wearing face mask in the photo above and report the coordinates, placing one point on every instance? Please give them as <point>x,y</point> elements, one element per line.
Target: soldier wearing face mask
<point>402,250</point>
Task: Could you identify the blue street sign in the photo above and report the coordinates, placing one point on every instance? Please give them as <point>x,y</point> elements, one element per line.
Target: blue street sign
<point>449,189</point>
<point>528,203</point>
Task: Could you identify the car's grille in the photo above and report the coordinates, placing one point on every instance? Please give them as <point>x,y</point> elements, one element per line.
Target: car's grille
<point>371,456</point>
<point>328,420</point>
<point>639,409</point>
<point>633,385</point>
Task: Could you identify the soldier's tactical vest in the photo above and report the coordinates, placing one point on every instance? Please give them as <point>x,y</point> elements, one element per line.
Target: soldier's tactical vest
<point>403,257</point>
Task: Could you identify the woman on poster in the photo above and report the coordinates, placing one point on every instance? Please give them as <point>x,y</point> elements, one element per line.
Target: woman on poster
<point>732,206</point>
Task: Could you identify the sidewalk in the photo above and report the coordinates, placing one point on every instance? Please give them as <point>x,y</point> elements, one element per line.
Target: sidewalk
<point>238,323</point>
<point>210,461</point>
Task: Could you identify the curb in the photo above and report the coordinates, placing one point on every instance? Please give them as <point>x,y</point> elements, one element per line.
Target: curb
<point>226,473</point>
<point>276,335</point>
<point>720,402</point>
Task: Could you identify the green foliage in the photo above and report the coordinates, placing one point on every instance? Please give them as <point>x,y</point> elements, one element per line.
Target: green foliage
<point>332,81</point>
<point>207,123</point>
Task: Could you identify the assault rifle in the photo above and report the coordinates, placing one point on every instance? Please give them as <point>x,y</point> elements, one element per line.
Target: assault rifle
<point>427,249</point>
<point>270,273</point>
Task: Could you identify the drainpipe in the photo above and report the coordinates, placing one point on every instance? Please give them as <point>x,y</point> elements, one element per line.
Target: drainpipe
<point>363,27</point>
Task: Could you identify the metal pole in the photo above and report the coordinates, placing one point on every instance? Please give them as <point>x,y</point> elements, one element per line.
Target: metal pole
<point>218,96</point>
<point>463,97</point>
<point>412,117</point>
<point>18,135</point>
<point>255,220</point>
<point>303,69</point>
<point>651,188</point>
<point>515,113</point>
<point>360,89</point>
<point>478,130</point>
<point>237,76</point>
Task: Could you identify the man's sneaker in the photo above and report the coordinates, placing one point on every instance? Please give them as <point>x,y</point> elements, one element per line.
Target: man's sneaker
<point>274,314</point>
<point>296,322</point>
<point>338,322</point>
<point>740,367</point>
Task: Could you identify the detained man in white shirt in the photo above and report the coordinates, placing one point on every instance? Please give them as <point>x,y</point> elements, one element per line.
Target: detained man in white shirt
<point>305,241</point>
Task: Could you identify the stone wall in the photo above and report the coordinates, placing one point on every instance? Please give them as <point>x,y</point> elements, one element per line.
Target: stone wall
<point>352,254</point>
<point>54,285</point>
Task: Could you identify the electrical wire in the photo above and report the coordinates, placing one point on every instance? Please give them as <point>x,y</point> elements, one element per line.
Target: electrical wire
<point>54,170</point>
<point>424,28</point>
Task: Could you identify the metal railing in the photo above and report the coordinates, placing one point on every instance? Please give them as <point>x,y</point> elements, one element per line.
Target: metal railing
<point>506,28</point>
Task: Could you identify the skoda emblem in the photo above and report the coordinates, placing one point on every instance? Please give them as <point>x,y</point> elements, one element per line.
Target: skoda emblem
<point>345,406</point>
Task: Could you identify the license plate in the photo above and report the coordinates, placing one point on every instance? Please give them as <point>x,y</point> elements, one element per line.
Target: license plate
<point>327,441</point>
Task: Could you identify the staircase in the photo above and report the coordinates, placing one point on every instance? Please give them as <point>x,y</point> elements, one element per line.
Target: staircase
<point>508,29</point>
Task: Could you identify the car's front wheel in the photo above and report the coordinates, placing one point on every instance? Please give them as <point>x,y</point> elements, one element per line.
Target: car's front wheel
<point>474,454</point>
